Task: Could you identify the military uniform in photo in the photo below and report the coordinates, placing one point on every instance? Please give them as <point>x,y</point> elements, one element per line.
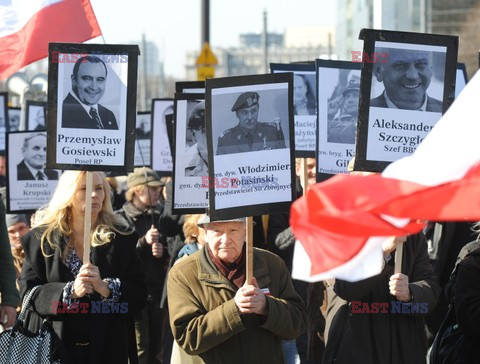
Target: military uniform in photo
<point>196,156</point>
<point>263,136</point>
<point>196,165</point>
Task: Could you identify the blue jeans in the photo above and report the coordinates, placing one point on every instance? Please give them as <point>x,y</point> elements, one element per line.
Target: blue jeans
<point>289,348</point>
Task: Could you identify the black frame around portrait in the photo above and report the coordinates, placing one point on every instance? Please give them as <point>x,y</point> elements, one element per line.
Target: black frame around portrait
<point>29,103</point>
<point>153,156</point>
<point>130,108</point>
<point>238,82</point>
<point>190,87</point>
<point>19,110</point>
<point>370,36</point>
<point>332,64</point>
<point>176,143</point>
<point>299,67</point>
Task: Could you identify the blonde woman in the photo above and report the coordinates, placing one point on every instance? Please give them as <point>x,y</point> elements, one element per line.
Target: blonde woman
<point>90,304</point>
<point>194,235</point>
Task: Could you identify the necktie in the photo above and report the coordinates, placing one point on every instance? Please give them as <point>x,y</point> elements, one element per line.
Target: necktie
<point>40,176</point>
<point>94,115</point>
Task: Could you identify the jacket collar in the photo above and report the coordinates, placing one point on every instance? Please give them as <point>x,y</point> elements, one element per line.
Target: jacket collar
<point>210,276</point>
<point>132,211</point>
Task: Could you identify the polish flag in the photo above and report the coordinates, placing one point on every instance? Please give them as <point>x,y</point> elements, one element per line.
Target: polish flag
<point>341,223</point>
<point>27,26</point>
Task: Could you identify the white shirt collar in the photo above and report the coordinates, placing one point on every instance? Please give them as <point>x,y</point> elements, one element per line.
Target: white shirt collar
<point>34,171</point>
<point>391,105</point>
<point>86,107</point>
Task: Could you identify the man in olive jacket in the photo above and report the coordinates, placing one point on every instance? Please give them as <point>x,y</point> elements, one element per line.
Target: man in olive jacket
<point>216,317</point>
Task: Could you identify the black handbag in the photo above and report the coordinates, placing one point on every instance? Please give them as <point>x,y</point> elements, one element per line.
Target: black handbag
<point>449,344</point>
<point>18,345</point>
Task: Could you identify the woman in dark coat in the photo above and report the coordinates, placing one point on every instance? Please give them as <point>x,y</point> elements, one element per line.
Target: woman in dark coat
<point>90,304</point>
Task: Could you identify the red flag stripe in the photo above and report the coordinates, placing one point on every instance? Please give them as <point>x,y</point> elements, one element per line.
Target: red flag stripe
<point>67,21</point>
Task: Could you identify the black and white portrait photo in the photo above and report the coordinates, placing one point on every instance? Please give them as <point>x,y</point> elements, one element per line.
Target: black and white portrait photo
<point>34,152</point>
<point>338,97</point>
<point>196,154</point>
<point>190,191</point>
<point>81,107</point>
<point>92,106</point>
<point>14,114</point>
<point>31,183</point>
<point>412,78</point>
<point>143,125</point>
<point>162,161</point>
<point>403,93</point>
<point>249,131</point>
<point>35,115</point>
<point>343,108</point>
<point>304,105</point>
<point>143,136</point>
<point>304,93</point>
<point>258,119</point>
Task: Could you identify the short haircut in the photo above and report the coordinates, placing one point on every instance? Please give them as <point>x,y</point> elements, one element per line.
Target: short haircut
<point>91,59</point>
<point>27,139</point>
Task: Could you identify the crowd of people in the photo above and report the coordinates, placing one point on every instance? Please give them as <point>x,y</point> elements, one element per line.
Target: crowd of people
<point>173,289</point>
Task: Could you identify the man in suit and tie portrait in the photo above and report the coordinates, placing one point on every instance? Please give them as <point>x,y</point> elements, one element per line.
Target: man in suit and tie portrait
<point>32,167</point>
<point>406,77</point>
<point>81,108</point>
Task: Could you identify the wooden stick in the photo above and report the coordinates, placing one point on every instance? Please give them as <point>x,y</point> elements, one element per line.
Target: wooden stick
<point>398,258</point>
<point>249,250</point>
<point>88,217</point>
<point>304,175</point>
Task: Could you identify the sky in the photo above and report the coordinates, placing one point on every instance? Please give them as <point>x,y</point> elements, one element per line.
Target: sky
<point>174,25</point>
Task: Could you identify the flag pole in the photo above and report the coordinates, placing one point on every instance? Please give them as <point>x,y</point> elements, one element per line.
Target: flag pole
<point>249,250</point>
<point>88,217</point>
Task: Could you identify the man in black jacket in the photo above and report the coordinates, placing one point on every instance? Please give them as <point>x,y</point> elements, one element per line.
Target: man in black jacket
<point>145,213</point>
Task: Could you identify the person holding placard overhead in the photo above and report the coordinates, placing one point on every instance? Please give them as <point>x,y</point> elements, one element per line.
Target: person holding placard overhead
<point>216,317</point>
<point>91,303</point>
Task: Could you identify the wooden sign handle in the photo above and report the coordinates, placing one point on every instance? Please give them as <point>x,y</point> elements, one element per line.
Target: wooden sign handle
<point>304,175</point>
<point>249,250</point>
<point>398,258</point>
<point>88,217</point>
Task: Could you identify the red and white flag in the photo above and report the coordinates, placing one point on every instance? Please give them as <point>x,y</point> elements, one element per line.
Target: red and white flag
<point>27,26</point>
<point>342,222</point>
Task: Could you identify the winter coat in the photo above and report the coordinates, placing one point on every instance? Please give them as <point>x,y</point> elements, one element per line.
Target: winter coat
<point>467,305</point>
<point>154,268</point>
<point>111,336</point>
<point>382,338</point>
<point>206,322</point>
